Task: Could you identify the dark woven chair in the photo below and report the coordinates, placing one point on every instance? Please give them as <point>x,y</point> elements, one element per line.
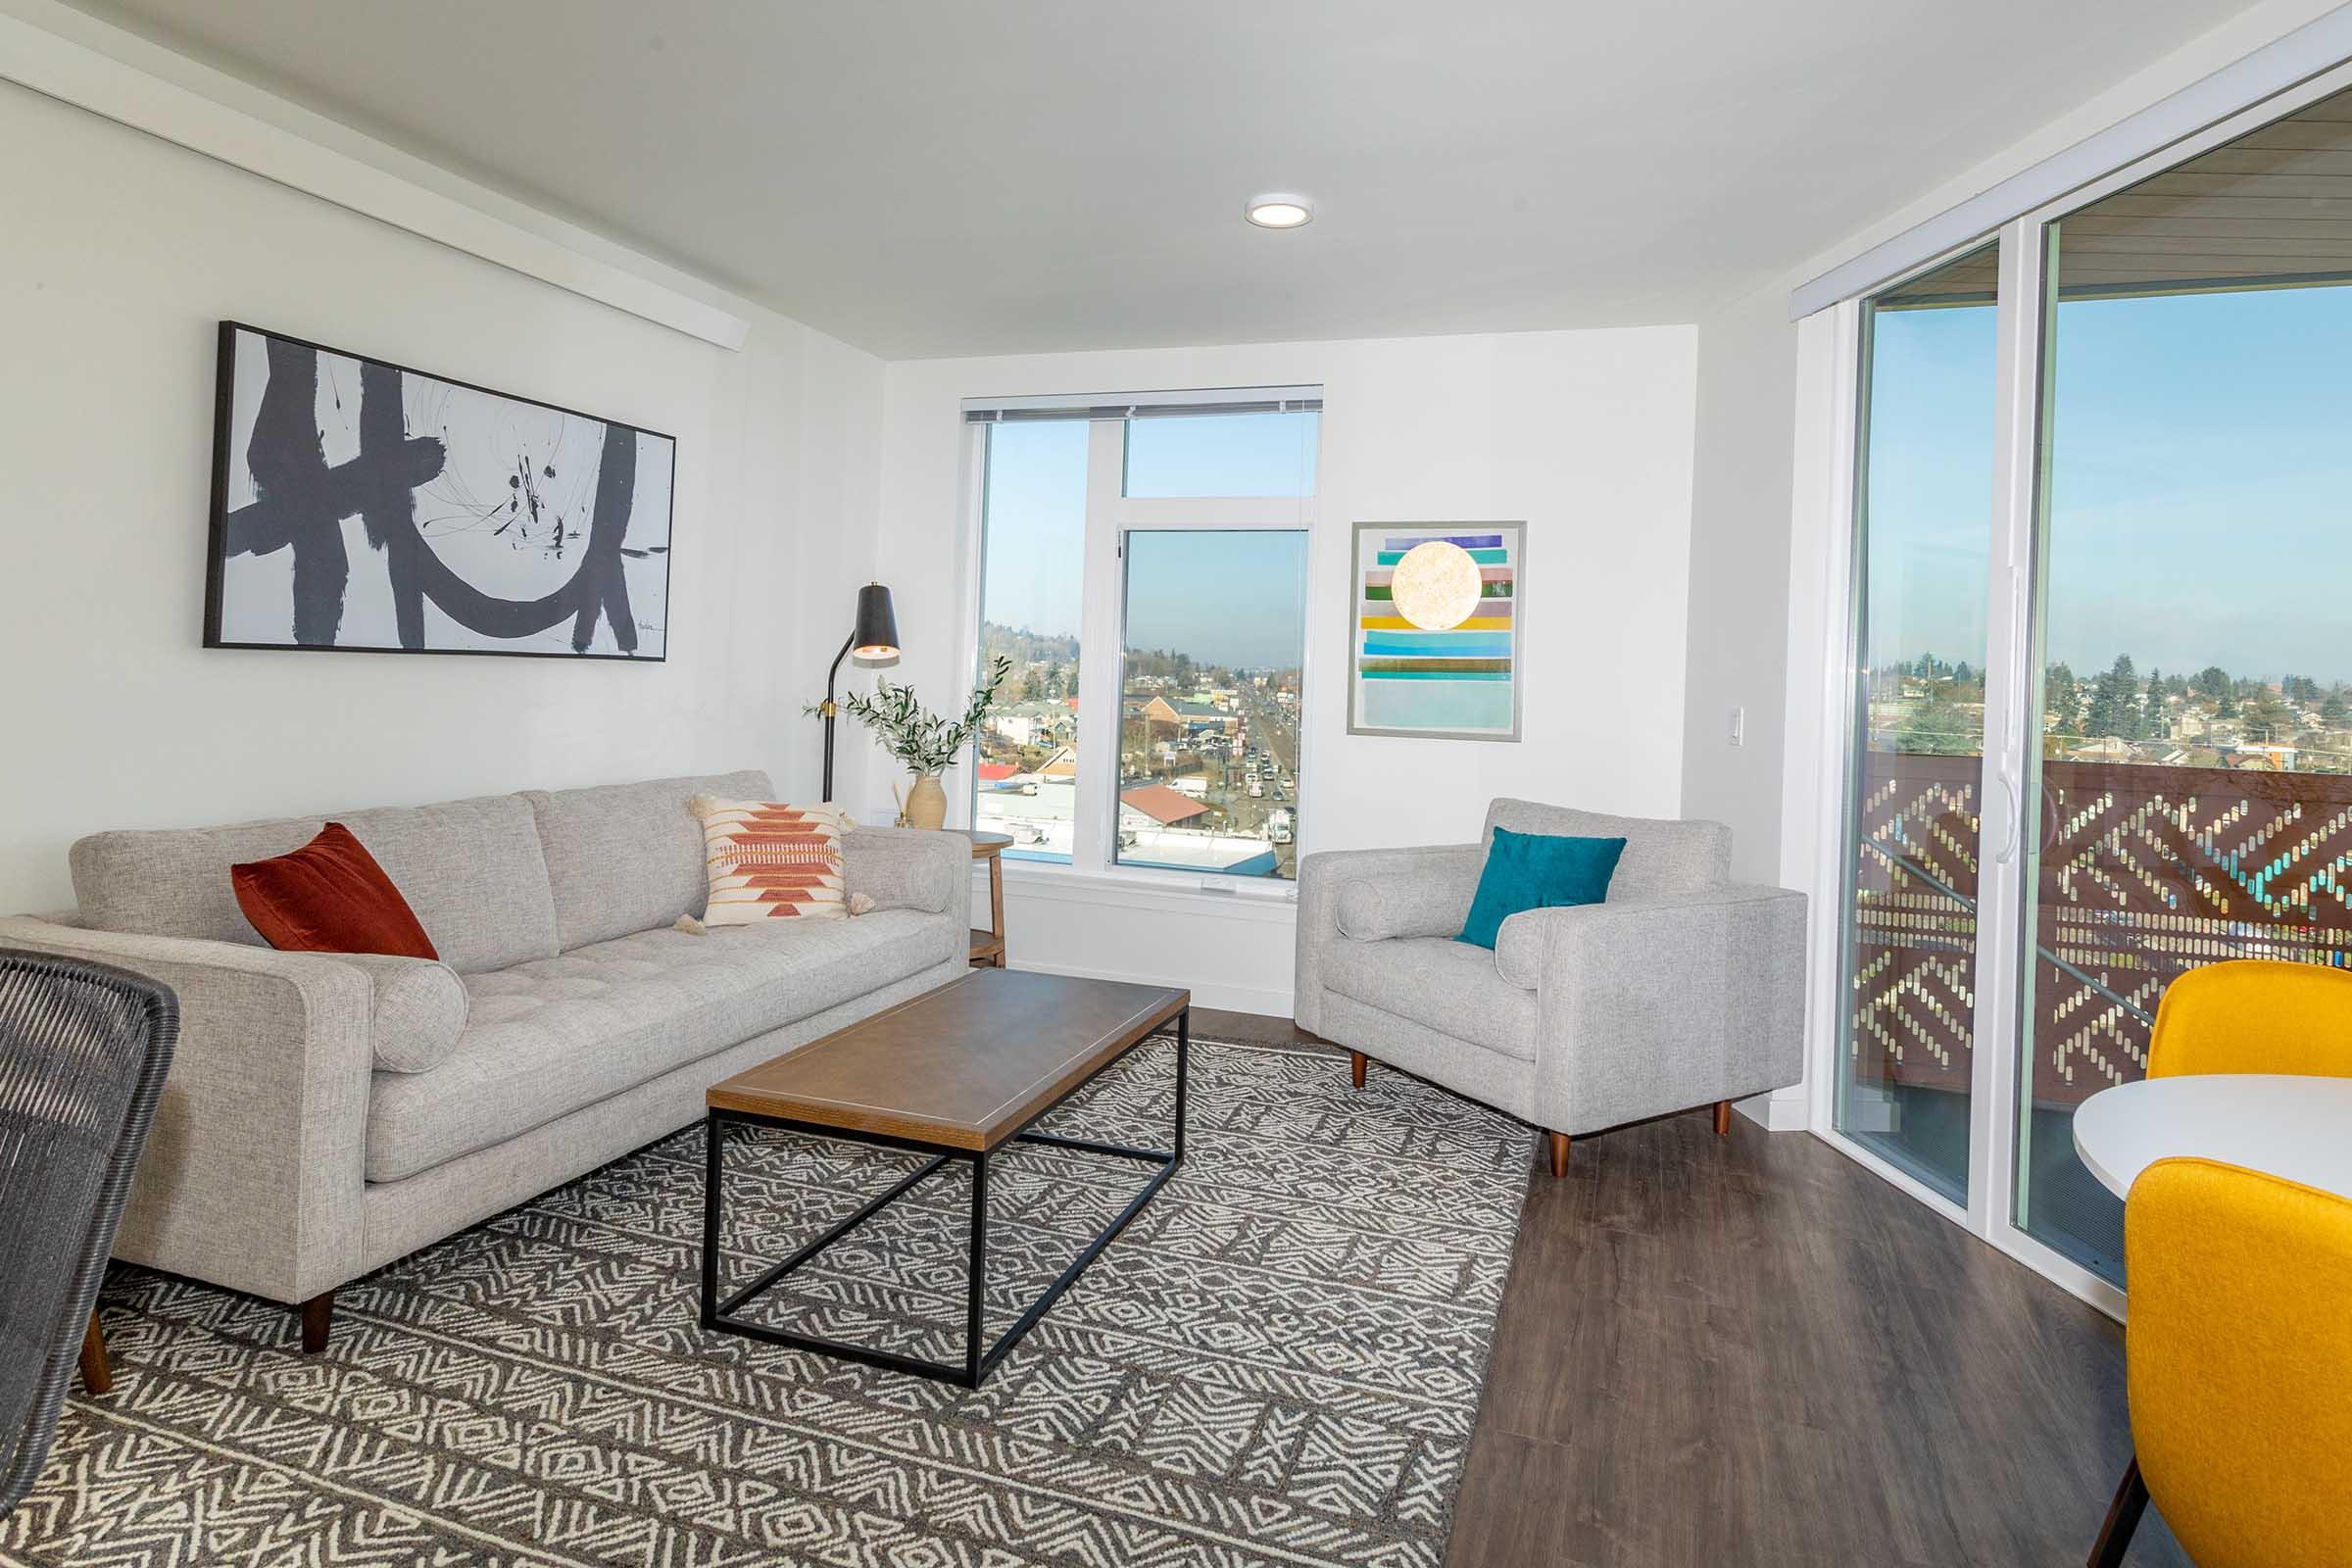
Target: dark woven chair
<point>83,1049</point>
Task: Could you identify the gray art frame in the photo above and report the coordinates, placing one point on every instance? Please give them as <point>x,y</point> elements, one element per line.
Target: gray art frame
<point>1514,537</point>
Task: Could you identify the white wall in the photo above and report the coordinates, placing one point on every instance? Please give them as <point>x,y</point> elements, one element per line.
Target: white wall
<point>122,253</point>
<point>1586,435</point>
<point>1740,577</point>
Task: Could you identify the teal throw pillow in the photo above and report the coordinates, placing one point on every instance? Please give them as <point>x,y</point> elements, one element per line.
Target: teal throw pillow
<point>1537,872</point>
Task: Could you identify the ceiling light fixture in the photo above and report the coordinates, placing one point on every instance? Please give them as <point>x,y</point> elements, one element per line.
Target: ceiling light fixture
<point>1278,210</point>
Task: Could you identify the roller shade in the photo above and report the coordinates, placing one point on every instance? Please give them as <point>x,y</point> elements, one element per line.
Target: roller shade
<point>1147,404</point>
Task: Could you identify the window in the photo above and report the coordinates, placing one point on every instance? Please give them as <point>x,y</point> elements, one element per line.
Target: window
<point>1033,554</point>
<point>1210,700</point>
<point>1155,552</point>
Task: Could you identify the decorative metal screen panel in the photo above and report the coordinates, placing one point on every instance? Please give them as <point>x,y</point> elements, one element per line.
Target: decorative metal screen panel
<point>2146,872</point>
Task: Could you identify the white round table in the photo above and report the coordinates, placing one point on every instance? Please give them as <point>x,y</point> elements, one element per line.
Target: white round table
<point>2299,1128</point>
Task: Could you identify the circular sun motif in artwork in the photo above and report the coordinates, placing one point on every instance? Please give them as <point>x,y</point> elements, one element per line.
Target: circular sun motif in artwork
<point>1435,585</point>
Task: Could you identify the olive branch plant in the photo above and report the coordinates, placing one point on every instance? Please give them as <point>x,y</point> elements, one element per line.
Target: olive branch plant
<point>911,732</point>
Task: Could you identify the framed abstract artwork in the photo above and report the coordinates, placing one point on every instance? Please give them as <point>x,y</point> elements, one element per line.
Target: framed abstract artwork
<point>1434,634</point>
<point>363,506</point>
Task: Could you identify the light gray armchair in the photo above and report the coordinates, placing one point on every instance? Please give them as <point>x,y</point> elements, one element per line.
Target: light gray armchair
<point>1685,989</point>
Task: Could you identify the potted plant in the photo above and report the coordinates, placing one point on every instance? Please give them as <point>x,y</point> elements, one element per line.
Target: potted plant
<point>921,739</point>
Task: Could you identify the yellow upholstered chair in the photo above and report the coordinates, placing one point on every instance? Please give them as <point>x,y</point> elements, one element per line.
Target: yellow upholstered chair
<point>2240,1358</point>
<point>2255,1016</point>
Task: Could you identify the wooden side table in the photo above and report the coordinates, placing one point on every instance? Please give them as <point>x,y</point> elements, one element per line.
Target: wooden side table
<point>988,947</point>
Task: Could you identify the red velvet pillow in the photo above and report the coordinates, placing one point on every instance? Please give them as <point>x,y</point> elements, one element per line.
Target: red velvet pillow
<point>328,897</point>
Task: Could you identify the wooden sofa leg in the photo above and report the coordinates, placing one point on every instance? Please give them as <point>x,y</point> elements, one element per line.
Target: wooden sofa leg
<point>1559,1153</point>
<point>96,1376</point>
<point>1355,1067</point>
<point>1722,1118</point>
<point>316,1313</point>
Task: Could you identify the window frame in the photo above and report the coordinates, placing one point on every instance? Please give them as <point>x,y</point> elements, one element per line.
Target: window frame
<point>1110,516</point>
<point>1830,351</point>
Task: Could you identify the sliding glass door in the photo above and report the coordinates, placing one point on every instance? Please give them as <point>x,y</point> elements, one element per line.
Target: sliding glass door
<point>2101,719</point>
<point>2195,778</point>
<point>1923,536</point>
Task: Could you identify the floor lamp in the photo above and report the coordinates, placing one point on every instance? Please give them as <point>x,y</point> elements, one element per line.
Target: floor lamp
<point>875,636</point>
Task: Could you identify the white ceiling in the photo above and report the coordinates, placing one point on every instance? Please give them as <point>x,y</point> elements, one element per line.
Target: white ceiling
<point>927,177</point>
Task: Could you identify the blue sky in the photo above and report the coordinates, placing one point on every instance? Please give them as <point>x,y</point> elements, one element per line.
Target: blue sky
<point>1224,597</point>
<point>2201,482</point>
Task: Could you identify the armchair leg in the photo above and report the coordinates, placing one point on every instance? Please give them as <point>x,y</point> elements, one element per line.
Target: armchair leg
<point>317,1314</point>
<point>1559,1153</point>
<point>2123,1519</point>
<point>1355,1067</point>
<point>96,1376</point>
<point>1722,1118</point>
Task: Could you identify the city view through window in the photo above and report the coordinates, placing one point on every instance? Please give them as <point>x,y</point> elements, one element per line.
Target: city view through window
<point>1208,676</point>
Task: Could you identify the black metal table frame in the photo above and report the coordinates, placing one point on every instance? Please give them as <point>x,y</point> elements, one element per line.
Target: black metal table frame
<point>722,1316</point>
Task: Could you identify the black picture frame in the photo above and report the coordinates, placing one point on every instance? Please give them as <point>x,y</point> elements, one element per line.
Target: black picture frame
<point>218,549</point>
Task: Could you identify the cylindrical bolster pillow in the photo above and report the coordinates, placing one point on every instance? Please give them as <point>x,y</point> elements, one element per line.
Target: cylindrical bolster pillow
<point>420,1010</point>
<point>1396,906</point>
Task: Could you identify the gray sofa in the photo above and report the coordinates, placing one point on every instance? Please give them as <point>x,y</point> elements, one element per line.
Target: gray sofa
<point>327,1115</point>
<point>1684,989</point>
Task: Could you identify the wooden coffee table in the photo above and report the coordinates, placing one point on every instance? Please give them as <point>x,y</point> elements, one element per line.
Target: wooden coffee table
<point>955,1073</point>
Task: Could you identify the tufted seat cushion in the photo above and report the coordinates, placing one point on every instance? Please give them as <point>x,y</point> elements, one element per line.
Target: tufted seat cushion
<point>1440,983</point>
<point>550,1036</point>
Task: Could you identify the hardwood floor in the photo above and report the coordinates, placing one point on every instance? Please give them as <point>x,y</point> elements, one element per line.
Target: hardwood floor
<point>1750,1349</point>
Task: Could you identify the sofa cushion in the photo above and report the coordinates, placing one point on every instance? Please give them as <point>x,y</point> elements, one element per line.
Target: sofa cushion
<point>1661,856</point>
<point>328,897</point>
<point>1536,872</point>
<point>420,1010</point>
<point>772,861</point>
<point>547,1037</point>
<point>624,857</point>
<point>470,869</point>
<point>1438,982</point>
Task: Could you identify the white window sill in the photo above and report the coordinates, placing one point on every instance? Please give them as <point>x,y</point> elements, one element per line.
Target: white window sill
<point>1248,899</point>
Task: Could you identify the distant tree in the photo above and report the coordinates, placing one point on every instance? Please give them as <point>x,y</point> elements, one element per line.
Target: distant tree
<point>1962,674</point>
<point>2213,683</point>
<point>2115,702</point>
<point>2061,698</point>
<point>1938,727</point>
<point>2266,719</point>
<point>2332,709</point>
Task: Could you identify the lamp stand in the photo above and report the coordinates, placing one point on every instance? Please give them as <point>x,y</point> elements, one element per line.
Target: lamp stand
<point>827,710</point>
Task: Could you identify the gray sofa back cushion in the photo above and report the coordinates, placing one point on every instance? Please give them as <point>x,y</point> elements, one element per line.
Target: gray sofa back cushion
<point>627,858</point>
<point>470,869</point>
<point>1661,856</point>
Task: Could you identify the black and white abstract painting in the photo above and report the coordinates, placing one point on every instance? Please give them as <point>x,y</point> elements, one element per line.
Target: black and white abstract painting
<point>358,505</point>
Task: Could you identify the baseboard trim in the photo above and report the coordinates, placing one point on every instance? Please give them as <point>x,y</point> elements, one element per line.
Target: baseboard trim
<point>1781,1111</point>
<point>1205,994</point>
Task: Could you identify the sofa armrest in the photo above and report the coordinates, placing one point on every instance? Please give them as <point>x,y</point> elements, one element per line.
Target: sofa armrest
<point>1650,1005</point>
<point>253,1173</point>
<point>1422,883</point>
<point>911,869</point>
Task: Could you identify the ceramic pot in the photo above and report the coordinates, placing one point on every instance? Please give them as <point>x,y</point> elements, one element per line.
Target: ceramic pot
<point>926,802</point>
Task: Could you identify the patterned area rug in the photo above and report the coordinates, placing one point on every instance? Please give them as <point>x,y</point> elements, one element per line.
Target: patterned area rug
<point>1278,1362</point>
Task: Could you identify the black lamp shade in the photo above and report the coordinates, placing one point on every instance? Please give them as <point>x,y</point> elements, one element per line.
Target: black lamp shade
<point>877,634</point>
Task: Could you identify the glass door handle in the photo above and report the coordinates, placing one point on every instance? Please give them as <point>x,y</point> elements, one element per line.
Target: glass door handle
<point>2017,810</point>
